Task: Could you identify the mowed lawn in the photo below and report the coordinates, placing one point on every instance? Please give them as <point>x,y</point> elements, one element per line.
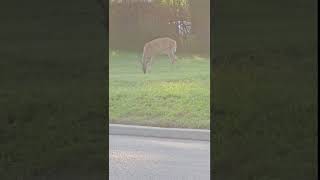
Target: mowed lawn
<point>171,95</point>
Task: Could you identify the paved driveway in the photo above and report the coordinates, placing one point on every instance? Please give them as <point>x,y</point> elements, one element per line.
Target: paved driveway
<point>143,158</point>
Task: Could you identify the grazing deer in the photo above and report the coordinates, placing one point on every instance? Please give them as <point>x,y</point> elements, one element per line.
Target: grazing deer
<point>156,47</point>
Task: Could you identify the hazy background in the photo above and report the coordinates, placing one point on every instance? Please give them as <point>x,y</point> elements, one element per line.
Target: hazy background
<point>132,23</point>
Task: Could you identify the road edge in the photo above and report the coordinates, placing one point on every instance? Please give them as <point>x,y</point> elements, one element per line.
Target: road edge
<point>147,131</point>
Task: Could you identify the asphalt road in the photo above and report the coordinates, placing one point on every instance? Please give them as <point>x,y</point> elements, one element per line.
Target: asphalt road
<point>144,158</point>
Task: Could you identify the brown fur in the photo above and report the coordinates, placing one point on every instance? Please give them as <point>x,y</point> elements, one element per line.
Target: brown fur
<point>156,47</point>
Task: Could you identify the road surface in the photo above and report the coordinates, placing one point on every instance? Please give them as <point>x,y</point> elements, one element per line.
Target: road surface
<point>144,158</point>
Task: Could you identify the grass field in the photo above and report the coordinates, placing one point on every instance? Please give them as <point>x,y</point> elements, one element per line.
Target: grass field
<point>170,96</point>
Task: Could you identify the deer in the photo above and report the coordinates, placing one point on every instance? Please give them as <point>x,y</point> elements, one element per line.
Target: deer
<point>156,47</point>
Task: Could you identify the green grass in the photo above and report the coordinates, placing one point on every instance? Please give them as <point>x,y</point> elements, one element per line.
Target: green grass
<point>170,96</point>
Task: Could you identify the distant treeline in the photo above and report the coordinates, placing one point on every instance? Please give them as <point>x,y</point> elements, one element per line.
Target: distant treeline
<point>131,24</point>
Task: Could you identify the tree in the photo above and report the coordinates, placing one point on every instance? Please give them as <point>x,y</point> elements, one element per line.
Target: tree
<point>200,18</point>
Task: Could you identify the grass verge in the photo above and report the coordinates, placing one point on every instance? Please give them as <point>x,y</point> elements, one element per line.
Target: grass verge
<point>170,96</point>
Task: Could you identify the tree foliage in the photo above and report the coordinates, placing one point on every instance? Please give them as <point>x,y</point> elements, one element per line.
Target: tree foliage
<point>175,3</point>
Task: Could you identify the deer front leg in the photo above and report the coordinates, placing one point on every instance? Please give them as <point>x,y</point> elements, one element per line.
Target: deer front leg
<point>144,64</point>
<point>172,58</point>
<point>150,62</point>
